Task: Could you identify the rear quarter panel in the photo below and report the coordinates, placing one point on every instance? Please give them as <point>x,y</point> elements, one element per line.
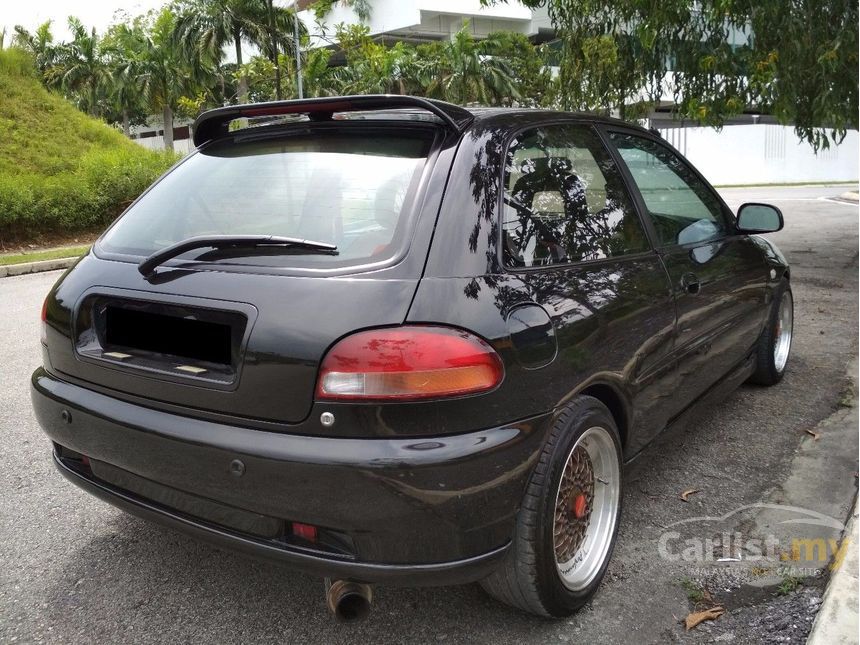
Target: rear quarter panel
<point>613,320</point>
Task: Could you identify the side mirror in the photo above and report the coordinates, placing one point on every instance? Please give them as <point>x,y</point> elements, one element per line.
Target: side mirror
<point>759,218</point>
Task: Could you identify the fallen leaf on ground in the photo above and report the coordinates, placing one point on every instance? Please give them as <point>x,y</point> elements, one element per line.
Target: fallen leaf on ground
<point>701,616</point>
<point>815,435</point>
<point>687,493</point>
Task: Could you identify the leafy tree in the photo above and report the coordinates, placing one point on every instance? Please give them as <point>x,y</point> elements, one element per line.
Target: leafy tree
<point>362,8</point>
<point>463,70</point>
<point>259,73</point>
<point>373,68</point>
<point>528,67</point>
<point>796,60</point>
<point>317,76</point>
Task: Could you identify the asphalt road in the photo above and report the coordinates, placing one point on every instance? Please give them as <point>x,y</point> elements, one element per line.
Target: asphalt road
<point>73,569</point>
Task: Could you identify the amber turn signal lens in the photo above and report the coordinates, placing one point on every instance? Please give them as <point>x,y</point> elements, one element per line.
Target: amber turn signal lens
<point>409,363</point>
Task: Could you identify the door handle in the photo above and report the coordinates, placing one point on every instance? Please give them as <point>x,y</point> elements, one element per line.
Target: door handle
<point>690,283</point>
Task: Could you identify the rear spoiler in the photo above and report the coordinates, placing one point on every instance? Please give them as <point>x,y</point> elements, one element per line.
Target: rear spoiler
<point>214,123</point>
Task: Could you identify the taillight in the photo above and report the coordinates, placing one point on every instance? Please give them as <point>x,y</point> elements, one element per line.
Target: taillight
<point>305,531</point>
<point>44,324</point>
<point>407,363</point>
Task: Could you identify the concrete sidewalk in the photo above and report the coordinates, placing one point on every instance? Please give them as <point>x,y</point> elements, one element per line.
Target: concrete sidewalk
<point>836,622</point>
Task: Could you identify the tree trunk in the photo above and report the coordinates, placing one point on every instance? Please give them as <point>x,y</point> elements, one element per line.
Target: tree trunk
<point>126,126</point>
<point>94,101</point>
<point>167,114</point>
<point>274,44</point>
<point>242,90</point>
<point>278,94</point>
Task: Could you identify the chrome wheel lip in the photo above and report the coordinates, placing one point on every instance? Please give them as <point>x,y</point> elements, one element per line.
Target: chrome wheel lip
<point>784,332</point>
<point>582,569</point>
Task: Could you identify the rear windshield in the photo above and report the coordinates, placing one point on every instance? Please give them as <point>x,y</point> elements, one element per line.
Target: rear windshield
<point>352,190</point>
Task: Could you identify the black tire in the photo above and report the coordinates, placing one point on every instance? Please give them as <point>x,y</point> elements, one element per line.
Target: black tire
<point>528,578</point>
<point>767,371</point>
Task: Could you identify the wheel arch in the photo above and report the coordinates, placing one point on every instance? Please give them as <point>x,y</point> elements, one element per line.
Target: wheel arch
<point>610,395</point>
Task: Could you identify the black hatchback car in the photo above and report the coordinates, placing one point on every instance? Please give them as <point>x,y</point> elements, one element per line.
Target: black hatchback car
<point>391,340</point>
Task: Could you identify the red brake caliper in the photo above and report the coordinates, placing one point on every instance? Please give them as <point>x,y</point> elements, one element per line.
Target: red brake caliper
<point>579,508</point>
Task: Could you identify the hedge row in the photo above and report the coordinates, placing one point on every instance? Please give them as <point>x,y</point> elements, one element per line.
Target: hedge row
<point>86,198</point>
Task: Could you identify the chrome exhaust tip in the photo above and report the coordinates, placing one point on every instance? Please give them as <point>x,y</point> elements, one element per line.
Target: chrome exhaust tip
<point>348,601</point>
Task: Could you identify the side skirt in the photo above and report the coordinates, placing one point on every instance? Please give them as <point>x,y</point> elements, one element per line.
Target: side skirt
<point>717,392</point>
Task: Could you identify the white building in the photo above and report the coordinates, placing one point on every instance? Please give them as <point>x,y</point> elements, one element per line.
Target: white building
<point>751,150</point>
<point>423,20</point>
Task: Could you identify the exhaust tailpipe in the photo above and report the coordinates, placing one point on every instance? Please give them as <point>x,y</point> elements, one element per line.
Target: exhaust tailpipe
<point>348,601</point>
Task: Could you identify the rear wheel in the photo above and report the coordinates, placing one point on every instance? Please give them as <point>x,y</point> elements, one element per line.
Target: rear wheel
<point>774,346</point>
<point>568,520</point>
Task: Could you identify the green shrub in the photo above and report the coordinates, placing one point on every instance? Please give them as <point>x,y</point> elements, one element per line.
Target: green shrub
<point>87,198</point>
<point>60,170</point>
<point>16,62</point>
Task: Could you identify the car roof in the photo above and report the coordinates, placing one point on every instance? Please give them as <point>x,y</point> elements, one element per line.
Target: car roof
<point>517,115</point>
<point>219,122</point>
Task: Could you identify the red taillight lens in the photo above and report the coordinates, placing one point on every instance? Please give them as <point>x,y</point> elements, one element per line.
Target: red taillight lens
<point>305,531</point>
<point>406,363</point>
<point>43,333</point>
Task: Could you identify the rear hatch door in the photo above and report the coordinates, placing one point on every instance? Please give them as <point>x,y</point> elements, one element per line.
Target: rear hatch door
<point>241,331</point>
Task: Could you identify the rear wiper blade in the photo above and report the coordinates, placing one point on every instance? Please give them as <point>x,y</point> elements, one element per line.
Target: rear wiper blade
<point>225,241</point>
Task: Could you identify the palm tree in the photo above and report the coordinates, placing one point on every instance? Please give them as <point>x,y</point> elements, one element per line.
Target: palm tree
<point>464,70</point>
<point>84,73</point>
<point>41,46</point>
<point>164,71</point>
<point>123,46</point>
<point>205,27</point>
<point>373,68</point>
<point>277,26</point>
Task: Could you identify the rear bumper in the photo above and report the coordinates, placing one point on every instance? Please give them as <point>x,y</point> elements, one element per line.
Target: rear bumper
<point>413,511</point>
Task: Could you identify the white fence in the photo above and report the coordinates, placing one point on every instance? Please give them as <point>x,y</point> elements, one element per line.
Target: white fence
<point>737,154</point>
<point>157,143</point>
<point>764,154</point>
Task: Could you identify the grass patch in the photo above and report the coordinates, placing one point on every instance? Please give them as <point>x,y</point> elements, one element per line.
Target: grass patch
<point>788,585</point>
<point>695,592</point>
<point>61,170</point>
<point>49,254</point>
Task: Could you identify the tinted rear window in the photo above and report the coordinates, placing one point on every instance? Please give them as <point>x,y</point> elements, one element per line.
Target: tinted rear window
<point>353,190</point>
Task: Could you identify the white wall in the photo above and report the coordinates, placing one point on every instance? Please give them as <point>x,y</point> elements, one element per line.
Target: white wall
<point>738,154</point>
<point>763,154</point>
<point>157,143</point>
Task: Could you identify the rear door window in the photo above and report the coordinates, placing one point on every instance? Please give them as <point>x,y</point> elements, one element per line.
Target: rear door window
<point>681,206</point>
<point>352,190</point>
<point>564,200</point>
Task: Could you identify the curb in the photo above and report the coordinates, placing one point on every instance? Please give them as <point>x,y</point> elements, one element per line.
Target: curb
<point>36,267</point>
<point>837,621</point>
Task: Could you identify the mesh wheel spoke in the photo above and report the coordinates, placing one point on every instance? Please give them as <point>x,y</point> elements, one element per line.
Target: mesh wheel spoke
<point>569,531</point>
